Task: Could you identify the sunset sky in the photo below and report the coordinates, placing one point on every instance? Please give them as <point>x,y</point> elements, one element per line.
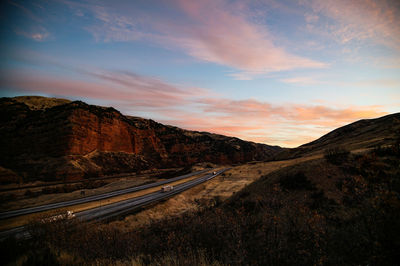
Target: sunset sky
<point>276,72</point>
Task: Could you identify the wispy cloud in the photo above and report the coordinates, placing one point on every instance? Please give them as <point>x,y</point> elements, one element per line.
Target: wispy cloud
<point>211,31</point>
<point>358,20</point>
<point>311,18</point>
<point>195,109</point>
<point>118,87</point>
<point>373,83</point>
<point>25,21</point>
<point>291,112</point>
<point>223,37</point>
<point>286,125</point>
<point>37,33</point>
<point>26,11</point>
<point>303,81</point>
<point>248,42</point>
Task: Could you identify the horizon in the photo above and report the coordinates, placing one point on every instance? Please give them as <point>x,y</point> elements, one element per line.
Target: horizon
<point>276,72</point>
<point>318,137</point>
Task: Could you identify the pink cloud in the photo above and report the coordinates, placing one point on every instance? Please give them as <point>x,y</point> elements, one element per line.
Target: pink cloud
<point>250,119</point>
<point>135,90</point>
<point>211,31</point>
<point>32,27</point>
<point>377,20</point>
<point>303,81</point>
<point>221,36</point>
<point>287,125</point>
<point>291,112</point>
<point>37,33</point>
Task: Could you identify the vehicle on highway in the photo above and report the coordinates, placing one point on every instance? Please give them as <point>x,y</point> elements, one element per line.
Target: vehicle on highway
<point>167,188</point>
<point>70,214</point>
<point>114,209</point>
<point>66,215</point>
<point>214,173</point>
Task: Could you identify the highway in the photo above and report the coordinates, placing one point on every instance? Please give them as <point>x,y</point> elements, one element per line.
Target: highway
<point>14,213</point>
<point>122,207</point>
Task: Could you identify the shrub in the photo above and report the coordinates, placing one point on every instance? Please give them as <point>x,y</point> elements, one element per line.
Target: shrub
<point>296,182</point>
<point>392,150</point>
<point>337,155</point>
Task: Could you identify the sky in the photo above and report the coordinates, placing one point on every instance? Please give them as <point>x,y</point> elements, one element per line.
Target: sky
<point>276,72</point>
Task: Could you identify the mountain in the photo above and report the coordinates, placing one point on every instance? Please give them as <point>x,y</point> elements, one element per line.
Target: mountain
<point>309,211</point>
<point>362,134</point>
<point>49,139</point>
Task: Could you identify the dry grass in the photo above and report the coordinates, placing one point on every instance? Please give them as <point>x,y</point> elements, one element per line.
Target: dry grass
<point>223,186</point>
<point>16,199</point>
<point>120,183</point>
<point>39,102</point>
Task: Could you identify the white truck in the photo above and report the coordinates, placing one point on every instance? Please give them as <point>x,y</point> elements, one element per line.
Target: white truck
<point>167,188</point>
<point>214,173</point>
<point>66,215</point>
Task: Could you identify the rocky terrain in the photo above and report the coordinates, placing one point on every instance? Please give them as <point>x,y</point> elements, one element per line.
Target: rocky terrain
<point>334,208</point>
<point>56,139</point>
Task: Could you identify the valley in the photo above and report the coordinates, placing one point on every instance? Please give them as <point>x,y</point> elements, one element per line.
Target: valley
<point>227,188</point>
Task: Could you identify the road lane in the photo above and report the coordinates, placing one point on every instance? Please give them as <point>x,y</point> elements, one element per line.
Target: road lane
<point>122,207</point>
<point>14,213</point>
<point>118,208</point>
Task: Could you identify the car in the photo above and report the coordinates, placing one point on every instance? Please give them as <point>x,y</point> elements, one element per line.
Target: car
<point>167,188</point>
<point>70,215</point>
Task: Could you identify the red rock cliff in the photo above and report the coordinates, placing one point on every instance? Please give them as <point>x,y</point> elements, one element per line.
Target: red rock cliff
<point>89,140</point>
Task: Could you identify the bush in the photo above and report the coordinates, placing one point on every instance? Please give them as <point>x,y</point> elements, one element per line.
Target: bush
<point>392,150</point>
<point>296,182</point>
<point>261,225</point>
<point>337,155</point>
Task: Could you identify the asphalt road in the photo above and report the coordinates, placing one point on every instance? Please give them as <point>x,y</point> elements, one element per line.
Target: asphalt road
<point>122,207</point>
<point>118,208</point>
<point>14,213</point>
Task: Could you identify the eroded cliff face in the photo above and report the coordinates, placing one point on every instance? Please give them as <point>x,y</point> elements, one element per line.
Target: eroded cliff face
<point>108,130</point>
<point>73,140</point>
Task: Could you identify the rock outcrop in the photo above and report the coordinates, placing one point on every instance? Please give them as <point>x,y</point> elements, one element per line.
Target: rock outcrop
<point>52,139</point>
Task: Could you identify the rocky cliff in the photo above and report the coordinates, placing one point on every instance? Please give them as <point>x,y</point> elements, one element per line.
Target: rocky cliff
<point>53,139</point>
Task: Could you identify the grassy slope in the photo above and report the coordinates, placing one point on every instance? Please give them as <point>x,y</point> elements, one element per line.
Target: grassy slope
<point>362,134</point>
<point>39,102</point>
<point>313,212</point>
<point>306,211</point>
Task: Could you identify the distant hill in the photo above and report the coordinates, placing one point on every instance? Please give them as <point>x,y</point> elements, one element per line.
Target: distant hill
<point>362,134</point>
<point>40,102</point>
<point>48,139</point>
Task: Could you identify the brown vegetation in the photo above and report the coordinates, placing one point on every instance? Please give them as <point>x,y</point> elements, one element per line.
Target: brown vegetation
<point>328,206</point>
<point>207,194</point>
<point>24,219</point>
<point>40,102</point>
<point>363,134</point>
<point>349,216</point>
<point>336,155</point>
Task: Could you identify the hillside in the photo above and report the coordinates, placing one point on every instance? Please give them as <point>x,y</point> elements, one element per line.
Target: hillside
<point>49,139</point>
<point>362,134</point>
<point>314,212</point>
<point>40,102</point>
